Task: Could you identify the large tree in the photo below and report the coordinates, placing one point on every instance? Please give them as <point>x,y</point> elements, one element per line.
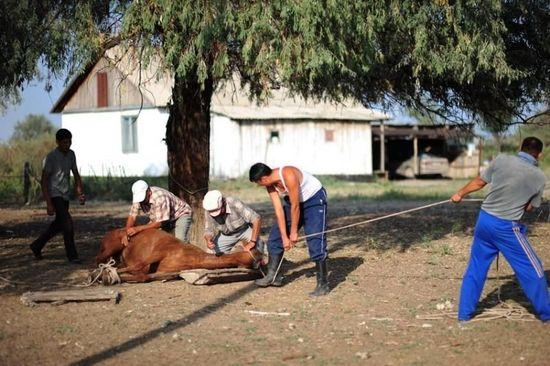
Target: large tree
<point>487,58</point>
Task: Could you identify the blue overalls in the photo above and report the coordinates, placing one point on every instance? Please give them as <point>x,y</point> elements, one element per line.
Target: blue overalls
<point>493,235</point>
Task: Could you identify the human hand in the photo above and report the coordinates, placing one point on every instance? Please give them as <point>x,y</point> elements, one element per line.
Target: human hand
<point>124,240</point>
<point>456,198</point>
<point>287,244</point>
<point>50,209</point>
<point>131,231</point>
<point>249,245</point>
<point>210,244</point>
<point>293,237</point>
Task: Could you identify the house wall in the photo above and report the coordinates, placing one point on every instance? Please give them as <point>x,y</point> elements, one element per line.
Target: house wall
<point>97,142</point>
<point>234,146</point>
<point>303,143</point>
<point>121,91</point>
<point>225,147</point>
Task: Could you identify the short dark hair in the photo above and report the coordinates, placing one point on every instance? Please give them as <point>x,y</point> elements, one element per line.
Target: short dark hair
<point>257,171</point>
<point>63,134</point>
<point>531,145</point>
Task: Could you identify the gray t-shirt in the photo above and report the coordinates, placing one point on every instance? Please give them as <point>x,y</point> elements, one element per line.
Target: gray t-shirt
<point>58,166</point>
<point>515,182</point>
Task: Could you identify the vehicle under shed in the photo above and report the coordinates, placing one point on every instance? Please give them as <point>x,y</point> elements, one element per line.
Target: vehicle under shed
<point>415,149</point>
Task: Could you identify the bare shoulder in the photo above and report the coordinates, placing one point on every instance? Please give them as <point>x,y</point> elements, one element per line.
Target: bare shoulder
<point>290,171</point>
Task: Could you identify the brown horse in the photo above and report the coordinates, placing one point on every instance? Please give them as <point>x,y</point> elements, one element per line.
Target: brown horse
<point>152,253</point>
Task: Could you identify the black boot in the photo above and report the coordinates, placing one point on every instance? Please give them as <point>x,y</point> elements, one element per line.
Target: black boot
<point>270,279</point>
<point>322,282</point>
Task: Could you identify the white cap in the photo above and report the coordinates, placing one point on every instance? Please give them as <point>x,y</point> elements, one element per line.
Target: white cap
<point>212,202</point>
<point>139,188</point>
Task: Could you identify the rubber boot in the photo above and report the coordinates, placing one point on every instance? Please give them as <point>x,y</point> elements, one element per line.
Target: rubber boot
<point>270,279</point>
<point>322,282</point>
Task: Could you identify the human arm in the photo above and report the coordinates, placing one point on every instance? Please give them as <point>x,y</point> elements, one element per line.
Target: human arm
<point>279,216</point>
<point>292,181</point>
<point>536,200</point>
<point>131,231</point>
<point>46,193</point>
<point>474,185</point>
<point>208,231</point>
<point>78,183</point>
<point>256,225</point>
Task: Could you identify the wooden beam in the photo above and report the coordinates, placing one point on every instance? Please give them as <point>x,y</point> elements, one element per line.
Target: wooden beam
<point>62,296</point>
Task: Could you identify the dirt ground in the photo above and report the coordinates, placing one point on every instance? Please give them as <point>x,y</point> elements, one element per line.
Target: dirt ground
<point>384,276</point>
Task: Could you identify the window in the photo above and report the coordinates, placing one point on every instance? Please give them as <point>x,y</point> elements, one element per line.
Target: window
<point>102,100</point>
<point>129,134</point>
<point>329,135</point>
<point>274,136</point>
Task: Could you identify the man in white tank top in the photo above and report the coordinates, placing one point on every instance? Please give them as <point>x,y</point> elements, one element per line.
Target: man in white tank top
<point>305,205</point>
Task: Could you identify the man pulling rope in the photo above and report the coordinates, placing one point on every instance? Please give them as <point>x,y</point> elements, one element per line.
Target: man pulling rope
<point>517,185</point>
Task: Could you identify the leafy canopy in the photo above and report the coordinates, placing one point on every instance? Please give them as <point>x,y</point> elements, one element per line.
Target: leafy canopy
<point>489,58</point>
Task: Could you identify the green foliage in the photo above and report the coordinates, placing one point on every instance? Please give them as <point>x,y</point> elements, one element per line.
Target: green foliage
<point>490,58</point>
<point>32,127</point>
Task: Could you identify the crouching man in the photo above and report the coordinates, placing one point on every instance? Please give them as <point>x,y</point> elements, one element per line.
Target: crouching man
<point>228,221</point>
<point>164,209</point>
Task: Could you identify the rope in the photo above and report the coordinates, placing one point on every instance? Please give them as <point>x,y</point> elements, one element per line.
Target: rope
<point>373,220</point>
<point>96,275</point>
<point>386,217</point>
<point>186,190</point>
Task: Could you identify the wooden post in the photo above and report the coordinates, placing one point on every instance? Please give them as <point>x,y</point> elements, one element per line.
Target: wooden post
<point>382,148</point>
<point>26,182</point>
<point>415,152</point>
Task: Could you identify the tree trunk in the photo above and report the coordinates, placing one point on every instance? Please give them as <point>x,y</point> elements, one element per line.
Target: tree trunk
<point>188,144</point>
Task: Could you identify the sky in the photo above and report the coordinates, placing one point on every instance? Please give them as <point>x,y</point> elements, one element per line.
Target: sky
<point>35,100</point>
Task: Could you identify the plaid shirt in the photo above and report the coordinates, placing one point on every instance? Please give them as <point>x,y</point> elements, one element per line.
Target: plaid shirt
<point>163,206</point>
<point>237,216</point>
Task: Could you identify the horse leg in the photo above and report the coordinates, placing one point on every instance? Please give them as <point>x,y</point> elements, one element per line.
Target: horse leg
<point>144,277</point>
<point>137,277</point>
<point>138,267</point>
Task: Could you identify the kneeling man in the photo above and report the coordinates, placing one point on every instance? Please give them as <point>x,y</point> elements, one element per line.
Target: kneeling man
<point>228,221</point>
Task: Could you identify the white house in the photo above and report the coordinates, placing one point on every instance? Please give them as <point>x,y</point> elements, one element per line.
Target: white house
<point>117,114</point>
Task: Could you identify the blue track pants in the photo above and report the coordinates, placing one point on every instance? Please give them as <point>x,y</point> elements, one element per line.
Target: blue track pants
<point>493,235</point>
<point>313,217</point>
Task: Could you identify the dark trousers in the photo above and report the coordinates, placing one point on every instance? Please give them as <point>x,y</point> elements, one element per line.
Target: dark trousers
<point>63,223</point>
<point>313,217</point>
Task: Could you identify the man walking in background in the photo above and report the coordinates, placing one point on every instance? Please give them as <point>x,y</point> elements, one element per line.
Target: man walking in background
<point>517,185</point>
<point>55,189</point>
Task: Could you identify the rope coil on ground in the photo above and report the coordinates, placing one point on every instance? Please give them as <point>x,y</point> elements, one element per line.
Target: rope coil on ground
<point>105,273</point>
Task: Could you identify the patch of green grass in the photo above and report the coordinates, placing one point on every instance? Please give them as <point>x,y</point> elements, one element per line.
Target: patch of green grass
<point>456,228</point>
<point>445,249</point>
<point>65,329</point>
<point>434,261</point>
<point>426,241</point>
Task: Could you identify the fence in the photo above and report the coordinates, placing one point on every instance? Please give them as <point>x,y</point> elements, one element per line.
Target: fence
<point>25,188</point>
